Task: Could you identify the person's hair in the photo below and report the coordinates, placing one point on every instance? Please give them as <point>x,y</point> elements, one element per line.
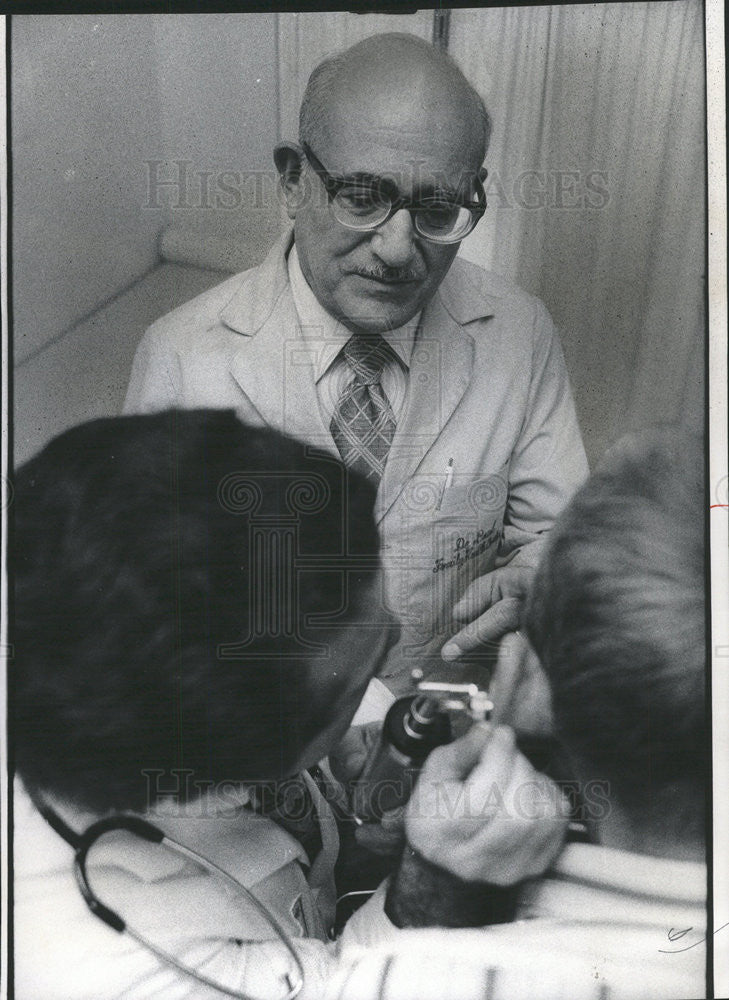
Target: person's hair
<point>617,617</point>
<point>322,86</point>
<point>143,546</point>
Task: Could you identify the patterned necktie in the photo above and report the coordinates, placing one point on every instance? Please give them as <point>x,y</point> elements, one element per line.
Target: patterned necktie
<point>363,424</point>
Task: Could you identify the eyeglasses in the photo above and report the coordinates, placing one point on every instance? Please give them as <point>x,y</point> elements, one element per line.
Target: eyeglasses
<point>105,855</point>
<point>366,203</point>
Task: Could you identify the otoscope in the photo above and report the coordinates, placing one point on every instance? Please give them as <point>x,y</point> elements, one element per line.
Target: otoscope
<point>413,727</point>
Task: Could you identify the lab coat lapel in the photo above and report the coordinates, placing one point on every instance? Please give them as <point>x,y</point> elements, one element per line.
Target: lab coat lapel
<point>272,365</point>
<point>440,371</point>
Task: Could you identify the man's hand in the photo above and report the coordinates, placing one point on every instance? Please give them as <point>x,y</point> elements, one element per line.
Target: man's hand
<point>349,756</point>
<point>490,607</point>
<point>480,811</point>
<point>347,762</point>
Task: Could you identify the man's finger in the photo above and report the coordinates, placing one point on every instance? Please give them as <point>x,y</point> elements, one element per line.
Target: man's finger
<point>455,761</point>
<point>503,617</point>
<point>476,599</point>
<point>350,755</point>
<point>393,819</point>
<point>494,771</point>
<point>379,840</point>
<point>507,581</point>
<point>536,796</point>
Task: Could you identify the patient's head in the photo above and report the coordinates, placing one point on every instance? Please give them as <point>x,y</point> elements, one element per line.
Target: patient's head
<point>167,571</point>
<point>617,616</point>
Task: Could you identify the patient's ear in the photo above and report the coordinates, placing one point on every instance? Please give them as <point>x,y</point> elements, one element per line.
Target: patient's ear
<point>289,160</point>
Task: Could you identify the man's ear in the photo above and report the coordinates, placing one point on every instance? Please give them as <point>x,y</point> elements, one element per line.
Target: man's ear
<point>289,160</point>
<point>483,174</point>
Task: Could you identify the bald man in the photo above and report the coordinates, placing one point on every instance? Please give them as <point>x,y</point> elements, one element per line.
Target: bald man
<point>363,335</point>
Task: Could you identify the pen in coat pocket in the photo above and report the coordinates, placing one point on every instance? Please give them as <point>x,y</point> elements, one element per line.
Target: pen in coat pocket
<point>446,482</point>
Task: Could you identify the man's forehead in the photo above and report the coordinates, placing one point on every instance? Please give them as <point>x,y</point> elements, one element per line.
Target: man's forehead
<point>415,146</point>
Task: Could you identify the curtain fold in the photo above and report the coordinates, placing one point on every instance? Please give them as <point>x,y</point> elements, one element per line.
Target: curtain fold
<point>598,191</point>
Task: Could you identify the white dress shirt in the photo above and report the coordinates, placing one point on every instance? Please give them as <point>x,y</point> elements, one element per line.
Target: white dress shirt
<point>602,924</point>
<point>326,336</point>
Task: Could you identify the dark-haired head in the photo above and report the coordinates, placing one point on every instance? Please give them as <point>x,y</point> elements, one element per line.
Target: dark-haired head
<point>174,575</point>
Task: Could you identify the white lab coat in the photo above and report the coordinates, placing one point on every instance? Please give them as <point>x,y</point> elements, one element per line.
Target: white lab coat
<point>63,952</point>
<point>488,389</point>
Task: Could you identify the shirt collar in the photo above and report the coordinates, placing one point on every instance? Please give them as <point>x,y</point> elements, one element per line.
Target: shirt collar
<point>326,336</point>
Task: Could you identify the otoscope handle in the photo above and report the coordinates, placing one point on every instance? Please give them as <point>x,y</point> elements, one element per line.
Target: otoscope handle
<point>413,727</point>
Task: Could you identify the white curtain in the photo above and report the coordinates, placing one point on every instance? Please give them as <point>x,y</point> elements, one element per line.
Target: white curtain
<point>596,186</point>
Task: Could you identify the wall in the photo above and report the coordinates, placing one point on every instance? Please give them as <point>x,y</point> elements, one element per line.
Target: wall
<point>85,114</point>
<point>216,77</point>
<point>99,106</point>
<point>102,108</point>
<point>218,88</point>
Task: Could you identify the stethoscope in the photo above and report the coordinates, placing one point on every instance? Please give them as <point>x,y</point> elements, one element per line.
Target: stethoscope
<point>83,842</point>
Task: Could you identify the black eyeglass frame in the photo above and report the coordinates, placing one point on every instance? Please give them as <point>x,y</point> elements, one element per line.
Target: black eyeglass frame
<point>384,187</point>
<point>82,844</point>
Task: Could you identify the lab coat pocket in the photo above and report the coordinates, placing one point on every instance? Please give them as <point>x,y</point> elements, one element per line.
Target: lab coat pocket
<point>467,528</point>
<point>477,500</point>
<point>448,534</point>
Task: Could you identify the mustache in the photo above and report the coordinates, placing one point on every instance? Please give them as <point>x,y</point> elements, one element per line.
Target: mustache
<point>383,273</point>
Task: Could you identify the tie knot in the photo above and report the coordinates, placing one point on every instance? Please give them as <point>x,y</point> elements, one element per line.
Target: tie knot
<point>367,356</point>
